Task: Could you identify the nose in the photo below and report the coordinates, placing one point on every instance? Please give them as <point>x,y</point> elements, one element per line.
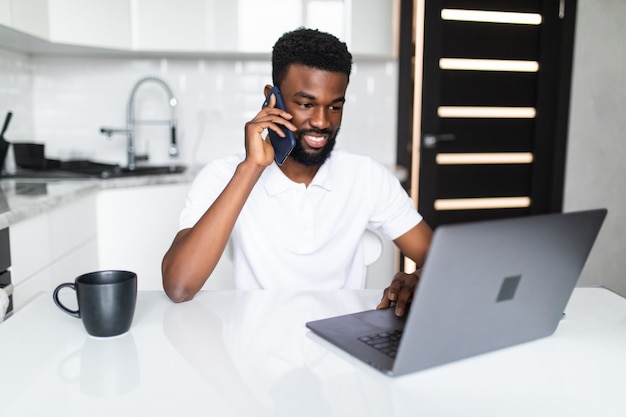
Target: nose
<point>320,119</point>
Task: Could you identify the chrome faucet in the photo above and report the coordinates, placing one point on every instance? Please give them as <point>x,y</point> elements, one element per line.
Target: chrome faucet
<point>131,122</point>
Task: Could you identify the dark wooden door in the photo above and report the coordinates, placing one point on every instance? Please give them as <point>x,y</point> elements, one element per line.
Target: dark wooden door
<point>484,136</point>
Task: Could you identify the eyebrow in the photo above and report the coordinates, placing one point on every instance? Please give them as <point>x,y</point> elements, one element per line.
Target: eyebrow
<point>311,97</point>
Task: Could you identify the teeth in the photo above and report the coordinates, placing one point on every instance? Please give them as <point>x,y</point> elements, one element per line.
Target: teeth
<point>315,139</point>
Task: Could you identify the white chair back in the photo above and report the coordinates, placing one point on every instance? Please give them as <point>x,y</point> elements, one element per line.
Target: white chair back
<point>372,246</point>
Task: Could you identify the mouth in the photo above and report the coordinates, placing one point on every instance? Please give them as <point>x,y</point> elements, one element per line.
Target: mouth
<point>315,140</point>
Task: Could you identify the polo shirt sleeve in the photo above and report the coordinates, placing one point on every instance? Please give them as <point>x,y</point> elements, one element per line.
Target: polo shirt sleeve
<point>393,212</point>
<point>205,189</point>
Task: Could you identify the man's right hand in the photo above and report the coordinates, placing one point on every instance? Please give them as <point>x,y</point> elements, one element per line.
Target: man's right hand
<point>259,150</point>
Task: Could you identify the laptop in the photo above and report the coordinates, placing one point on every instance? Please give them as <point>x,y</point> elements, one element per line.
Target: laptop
<point>485,286</point>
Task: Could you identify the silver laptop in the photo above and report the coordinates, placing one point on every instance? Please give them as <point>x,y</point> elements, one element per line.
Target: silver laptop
<point>485,286</point>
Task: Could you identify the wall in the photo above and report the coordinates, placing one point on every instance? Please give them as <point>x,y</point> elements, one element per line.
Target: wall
<point>596,173</point>
<point>16,93</point>
<point>72,98</point>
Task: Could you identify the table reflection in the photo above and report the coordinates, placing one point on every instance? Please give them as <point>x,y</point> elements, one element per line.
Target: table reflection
<point>250,355</point>
<point>109,367</point>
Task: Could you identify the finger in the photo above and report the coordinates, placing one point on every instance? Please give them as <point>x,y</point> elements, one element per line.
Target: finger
<point>401,304</point>
<point>270,117</point>
<point>276,127</point>
<point>270,121</point>
<point>385,302</point>
<point>394,288</point>
<point>271,102</point>
<point>404,297</point>
<point>275,115</point>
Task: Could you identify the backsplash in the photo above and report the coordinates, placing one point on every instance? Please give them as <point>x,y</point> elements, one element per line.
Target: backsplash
<point>64,101</point>
<point>16,93</point>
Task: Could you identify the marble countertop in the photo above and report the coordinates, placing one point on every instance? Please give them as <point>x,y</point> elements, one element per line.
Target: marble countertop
<point>21,199</point>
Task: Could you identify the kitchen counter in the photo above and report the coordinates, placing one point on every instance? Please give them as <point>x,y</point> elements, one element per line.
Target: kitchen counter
<point>21,199</point>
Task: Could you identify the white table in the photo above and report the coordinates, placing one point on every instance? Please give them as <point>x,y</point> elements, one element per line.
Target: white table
<point>248,353</point>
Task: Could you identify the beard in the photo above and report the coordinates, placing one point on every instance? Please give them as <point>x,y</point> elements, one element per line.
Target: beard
<point>300,155</point>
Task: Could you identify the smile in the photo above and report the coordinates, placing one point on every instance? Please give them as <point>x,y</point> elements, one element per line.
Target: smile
<point>315,141</point>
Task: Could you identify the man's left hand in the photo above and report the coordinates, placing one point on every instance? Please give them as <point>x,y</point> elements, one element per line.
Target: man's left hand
<point>400,292</point>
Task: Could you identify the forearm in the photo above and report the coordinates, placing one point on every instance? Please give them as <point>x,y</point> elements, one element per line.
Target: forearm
<point>195,252</point>
<point>415,243</point>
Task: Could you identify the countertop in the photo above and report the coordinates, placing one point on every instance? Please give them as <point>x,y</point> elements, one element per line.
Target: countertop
<point>24,198</point>
<point>21,199</point>
<point>248,353</point>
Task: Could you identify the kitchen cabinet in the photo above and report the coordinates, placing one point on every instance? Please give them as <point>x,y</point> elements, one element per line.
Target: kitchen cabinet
<point>52,248</point>
<point>28,16</point>
<point>5,12</point>
<point>91,23</point>
<point>113,228</point>
<point>184,25</point>
<point>136,226</point>
<point>251,26</point>
<point>198,26</point>
<point>74,22</point>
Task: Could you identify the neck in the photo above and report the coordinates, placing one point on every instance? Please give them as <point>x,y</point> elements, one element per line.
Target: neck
<point>299,173</point>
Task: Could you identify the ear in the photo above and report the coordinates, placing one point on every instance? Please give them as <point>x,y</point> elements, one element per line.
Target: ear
<point>266,90</point>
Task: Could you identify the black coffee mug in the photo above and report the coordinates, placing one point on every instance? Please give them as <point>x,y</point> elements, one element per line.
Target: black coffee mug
<point>106,301</point>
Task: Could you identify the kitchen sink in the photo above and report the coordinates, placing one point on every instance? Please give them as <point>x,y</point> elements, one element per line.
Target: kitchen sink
<point>152,170</point>
<point>82,169</point>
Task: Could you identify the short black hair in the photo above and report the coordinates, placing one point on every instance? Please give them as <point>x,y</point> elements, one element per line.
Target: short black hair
<point>311,48</point>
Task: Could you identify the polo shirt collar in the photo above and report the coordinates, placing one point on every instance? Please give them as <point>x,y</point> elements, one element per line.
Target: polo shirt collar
<point>275,182</point>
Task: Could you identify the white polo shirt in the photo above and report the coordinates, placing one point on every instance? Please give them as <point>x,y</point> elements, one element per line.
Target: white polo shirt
<point>291,236</point>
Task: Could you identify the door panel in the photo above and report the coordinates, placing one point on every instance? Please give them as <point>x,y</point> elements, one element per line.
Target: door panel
<point>465,181</point>
<point>484,89</point>
<point>478,215</point>
<point>518,5</point>
<point>506,135</point>
<point>487,137</point>
<point>489,40</point>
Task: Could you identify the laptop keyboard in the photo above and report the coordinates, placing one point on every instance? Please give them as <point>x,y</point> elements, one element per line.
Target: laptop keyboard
<point>385,342</point>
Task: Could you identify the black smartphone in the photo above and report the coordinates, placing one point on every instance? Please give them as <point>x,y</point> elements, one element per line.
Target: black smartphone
<point>282,146</point>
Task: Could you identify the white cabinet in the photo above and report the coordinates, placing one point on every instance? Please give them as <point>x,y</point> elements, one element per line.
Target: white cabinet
<point>374,27</point>
<point>202,26</point>
<point>127,228</point>
<point>252,26</point>
<point>136,226</point>
<point>52,248</point>
<point>184,25</point>
<point>5,13</point>
<point>74,22</point>
<point>28,16</point>
<point>90,23</point>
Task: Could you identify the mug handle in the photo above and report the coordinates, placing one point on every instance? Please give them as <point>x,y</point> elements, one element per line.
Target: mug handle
<point>55,297</point>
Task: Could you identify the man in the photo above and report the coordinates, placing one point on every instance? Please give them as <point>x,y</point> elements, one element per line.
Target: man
<point>297,225</point>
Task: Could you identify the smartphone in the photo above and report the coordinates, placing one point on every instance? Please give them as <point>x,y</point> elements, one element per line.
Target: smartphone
<point>282,146</point>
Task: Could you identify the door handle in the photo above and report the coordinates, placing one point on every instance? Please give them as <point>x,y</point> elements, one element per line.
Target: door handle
<point>431,140</point>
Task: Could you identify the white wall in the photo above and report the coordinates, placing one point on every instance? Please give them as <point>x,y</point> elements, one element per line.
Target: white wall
<point>16,93</point>
<point>73,97</point>
<point>596,172</point>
